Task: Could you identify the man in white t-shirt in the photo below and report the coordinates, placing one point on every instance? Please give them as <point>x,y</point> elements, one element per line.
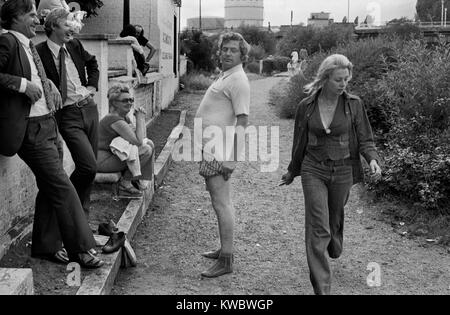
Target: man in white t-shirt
<point>225,104</point>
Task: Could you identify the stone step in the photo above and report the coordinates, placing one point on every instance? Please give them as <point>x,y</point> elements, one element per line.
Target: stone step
<point>16,281</point>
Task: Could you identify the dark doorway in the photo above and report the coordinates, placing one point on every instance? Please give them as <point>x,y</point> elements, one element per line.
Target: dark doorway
<point>175,45</point>
<point>126,12</point>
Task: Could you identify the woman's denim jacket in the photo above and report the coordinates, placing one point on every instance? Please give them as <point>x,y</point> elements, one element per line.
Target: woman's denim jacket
<point>361,136</point>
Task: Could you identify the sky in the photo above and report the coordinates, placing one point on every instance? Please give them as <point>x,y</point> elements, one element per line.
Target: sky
<point>278,12</point>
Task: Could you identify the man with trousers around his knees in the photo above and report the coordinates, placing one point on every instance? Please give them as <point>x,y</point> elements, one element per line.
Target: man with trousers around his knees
<point>28,128</point>
<point>225,104</point>
<point>66,63</point>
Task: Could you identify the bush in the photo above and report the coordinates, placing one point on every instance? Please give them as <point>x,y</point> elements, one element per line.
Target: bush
<point>253,67</point>
<point>257,37</point>
<point>256,53</point>
<point>286,96</point>
<point>277,64</point>
<point>199,49</point>
<point>418,147</point>
<point>196,81</point>
<point>405,86</point>
<point>315,40</point>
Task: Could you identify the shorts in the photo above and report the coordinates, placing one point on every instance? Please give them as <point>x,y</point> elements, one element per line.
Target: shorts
<point>210,168</point>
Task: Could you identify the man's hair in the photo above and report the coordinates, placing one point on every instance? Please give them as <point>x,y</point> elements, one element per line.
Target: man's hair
<point>12,9</point>
<point>244,47</point>
<point>128,30</point>
<point>115,91</point>
<point>53,19</point>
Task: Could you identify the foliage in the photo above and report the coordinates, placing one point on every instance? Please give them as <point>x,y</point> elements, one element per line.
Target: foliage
<point>405,86</point>
<point>196,81</point>
<point>275,64</point>
<point>257,37</point>
<point>253,67</point>
<point>256,53</point>
<point>430,10</point>
<point>404,30</point>
<point>315,39</point>
<point>90,6</point>
<point>199,49</point>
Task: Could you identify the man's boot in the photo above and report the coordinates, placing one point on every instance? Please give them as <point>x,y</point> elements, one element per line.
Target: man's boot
<point>223,266</point>
<point>214,254</point>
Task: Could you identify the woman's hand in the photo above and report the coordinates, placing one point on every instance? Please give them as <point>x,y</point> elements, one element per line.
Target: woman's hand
<point>286,179</point>
<point>140,113</point>
<point>375,169</point>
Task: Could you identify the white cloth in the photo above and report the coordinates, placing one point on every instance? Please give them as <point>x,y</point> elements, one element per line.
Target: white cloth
<point>128,152</point>
<point>75,90</point>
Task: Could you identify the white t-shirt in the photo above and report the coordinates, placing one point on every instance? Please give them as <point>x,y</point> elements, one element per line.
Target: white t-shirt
<point>227,98</point>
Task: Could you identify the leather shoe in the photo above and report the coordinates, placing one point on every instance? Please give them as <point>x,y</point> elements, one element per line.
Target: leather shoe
<point>115,242</point>
<point>107,229</point>
<point>87,260</point>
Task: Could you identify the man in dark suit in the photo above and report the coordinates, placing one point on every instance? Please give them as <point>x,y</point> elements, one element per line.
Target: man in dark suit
<point>28,128</point>
<point>67,63</point>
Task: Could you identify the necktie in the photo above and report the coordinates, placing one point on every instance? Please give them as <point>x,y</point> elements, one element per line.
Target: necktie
<point>42,75</point>
<point>62,74</point>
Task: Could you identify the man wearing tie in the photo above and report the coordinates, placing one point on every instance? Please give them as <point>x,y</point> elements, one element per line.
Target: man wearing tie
<point>28,128</point>
<point>66,63</point>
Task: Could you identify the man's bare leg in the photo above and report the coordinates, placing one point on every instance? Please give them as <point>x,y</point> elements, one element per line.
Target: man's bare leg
<point>220,192</point>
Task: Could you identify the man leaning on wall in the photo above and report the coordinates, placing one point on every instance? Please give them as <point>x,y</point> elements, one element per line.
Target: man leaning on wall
<point>75,72</point>
<point>28,128</point>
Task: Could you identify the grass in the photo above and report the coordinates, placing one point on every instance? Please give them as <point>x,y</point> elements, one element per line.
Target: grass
<point>196,81</point>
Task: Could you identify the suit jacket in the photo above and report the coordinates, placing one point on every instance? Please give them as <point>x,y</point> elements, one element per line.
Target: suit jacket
<point>14,106</point>
<point>84,62</point>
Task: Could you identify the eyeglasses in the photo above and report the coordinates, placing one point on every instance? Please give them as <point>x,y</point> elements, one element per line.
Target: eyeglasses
<point>126,100</point>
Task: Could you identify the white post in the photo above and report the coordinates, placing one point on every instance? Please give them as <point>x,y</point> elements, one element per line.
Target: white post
<point>442,12</point>
<point>445,17</point>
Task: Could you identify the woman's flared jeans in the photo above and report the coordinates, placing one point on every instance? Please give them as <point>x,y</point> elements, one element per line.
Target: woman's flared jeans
<point>326,190</point>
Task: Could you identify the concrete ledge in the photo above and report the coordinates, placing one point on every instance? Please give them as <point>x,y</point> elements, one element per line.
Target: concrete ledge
<point>100,282</point>
<point>16,282</point>
<point>107,178</point>
<point>164,160</point>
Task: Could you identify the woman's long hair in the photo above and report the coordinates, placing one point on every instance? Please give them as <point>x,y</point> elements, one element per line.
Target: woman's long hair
<point>327,67</point>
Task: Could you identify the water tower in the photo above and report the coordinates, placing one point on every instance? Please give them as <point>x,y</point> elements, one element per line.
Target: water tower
<point>246,12</point>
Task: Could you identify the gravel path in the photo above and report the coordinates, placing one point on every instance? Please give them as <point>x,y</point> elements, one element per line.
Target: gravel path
<point>270,253</point>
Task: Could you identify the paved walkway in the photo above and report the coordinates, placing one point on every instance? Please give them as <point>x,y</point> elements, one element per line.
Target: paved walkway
<point>270,256</point>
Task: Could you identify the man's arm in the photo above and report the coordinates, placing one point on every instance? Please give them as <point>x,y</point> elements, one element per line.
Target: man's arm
<point>7,81</point>
<point>93,74</point>
<point>152,51</point>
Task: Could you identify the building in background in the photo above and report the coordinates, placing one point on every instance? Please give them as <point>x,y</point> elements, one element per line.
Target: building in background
<point>321,19</point>
<point>244,12</point>
<point>208,23</point>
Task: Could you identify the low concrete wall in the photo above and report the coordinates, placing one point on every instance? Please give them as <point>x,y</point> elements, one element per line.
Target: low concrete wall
<point>17,185</point>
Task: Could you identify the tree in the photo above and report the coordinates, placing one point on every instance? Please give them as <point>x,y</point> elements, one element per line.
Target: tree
<point>257,37</point>
<point>90,6</point>
<point>199,49</point>
<point>344,20</point>
<point>430,10</point>
<point>315,39</point>
<point>356,21</point>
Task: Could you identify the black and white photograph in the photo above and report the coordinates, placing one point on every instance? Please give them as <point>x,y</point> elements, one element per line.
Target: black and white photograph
<point>225,154</point>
